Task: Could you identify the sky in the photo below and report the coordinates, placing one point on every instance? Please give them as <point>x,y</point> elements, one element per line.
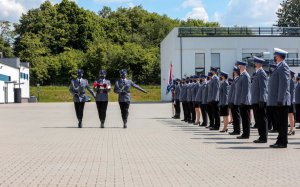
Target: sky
<point>226,12</point>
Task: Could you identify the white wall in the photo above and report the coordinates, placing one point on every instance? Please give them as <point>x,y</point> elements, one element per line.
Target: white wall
<point>14,73</point>
<point>230,49</point>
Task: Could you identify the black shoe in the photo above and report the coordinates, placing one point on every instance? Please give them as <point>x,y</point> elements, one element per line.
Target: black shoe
<point>80,124</point>
<point>203,125</point>
<point>125,124</point>
<point>183,120</point>
<point>234,133</point>
<point>259,141</point>
<point>242,137</point>
<point>224,130</point>
<point>273,131</point>
<point>191,122</point>
<point>278,146</point>
<point>292,133</point>
<point>298,127</point>
<point>176,117</point>
<point>214,128</point>
<point>102,124</point>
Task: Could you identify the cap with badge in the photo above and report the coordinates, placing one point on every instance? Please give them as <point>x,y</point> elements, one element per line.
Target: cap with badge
<point>280,52</point>
<point>258,60</point>
<point>241,63</point>
<point>224,74</point>
<point>214,69</point>
<point>209,74</point>
<point>236,69</point>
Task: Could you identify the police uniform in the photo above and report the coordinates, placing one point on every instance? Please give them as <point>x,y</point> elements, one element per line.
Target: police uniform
<point>176,99</point>
<point>279,97</point>
<point>271,110</point>
<point>183,100</point>
<point>297,99</point>
<point>243,99</point>
<point>189,100</point>
<point>203,105</point>
<point>102,87</point>
<point>122,88</point>
<point>208,106</point>
<point>259,95</point>
<point>213,100</point>
<point>292,91</point>
<point>77,89</point>
<point>224,91</point>
<point>235,111</point>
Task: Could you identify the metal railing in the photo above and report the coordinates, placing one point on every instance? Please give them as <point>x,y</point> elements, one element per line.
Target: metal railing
<point>239,32</point>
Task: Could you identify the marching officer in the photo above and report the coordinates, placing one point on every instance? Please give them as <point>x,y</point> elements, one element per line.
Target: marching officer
<point>243,98</point>
<point>176,99</point>
<point>203,104</point>
<point>122,88</point>
<point>279,97</point>
<point>224,110</point>
<point>235,111</point>
<point>213,98</point>
<point>292,106</point>
<point>77,89</point>
<point>259,95</point>
<point>197,100</point>
<point>208,107</point>
<point>102,87</point>
<point>192,113</point>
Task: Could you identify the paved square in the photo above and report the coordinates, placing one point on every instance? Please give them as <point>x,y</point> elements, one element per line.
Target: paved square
<point>41,146</point>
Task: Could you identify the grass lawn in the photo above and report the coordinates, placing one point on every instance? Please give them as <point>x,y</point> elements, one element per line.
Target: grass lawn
<point>62,94</point>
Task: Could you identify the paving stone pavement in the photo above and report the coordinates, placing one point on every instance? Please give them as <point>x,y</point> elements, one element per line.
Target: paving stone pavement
<point>41,146</point>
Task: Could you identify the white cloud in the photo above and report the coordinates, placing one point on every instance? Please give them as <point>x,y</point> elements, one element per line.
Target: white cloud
<point>250,13</point>
<point>197,12</point>
<point>112,1</point>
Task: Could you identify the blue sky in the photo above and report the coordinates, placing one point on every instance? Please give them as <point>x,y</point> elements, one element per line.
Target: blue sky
<point>227,12</point>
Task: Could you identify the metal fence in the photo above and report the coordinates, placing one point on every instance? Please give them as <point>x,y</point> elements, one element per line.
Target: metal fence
<point>239,32</point>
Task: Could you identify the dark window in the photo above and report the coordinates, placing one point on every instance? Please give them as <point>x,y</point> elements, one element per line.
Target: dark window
<point>199,63</point>
<point>215,60</point>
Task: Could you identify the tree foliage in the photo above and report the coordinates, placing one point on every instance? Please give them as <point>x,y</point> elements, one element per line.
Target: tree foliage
<point>289,14</point>
<point>59,38</point>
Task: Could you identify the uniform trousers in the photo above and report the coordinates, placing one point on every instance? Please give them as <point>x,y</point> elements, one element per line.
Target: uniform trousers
<point>177,108</point>
<point>79,107</point>
<point>236,118</point>
<point>245,115</point>
<point>203,108</point>
<point>260,116</point>
<point>102,107</point>
<point>124,106</point>
<point>282,113</point>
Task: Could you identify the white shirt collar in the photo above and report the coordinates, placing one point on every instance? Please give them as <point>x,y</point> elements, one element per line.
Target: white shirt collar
<point>258,69</point>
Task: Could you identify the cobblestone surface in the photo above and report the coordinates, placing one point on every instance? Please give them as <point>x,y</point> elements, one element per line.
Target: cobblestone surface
<point>41,146</point>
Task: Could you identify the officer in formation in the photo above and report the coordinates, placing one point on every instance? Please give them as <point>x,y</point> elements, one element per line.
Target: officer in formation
<point>259,96</point>
<point>297,99</point>
<point>122,88</point>
<point>271,96</point>
<point>177,99</point>
<point>77,89</point>
<point>102,87</point>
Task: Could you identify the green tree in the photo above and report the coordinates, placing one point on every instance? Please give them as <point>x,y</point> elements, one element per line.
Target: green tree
<point>289,14</point>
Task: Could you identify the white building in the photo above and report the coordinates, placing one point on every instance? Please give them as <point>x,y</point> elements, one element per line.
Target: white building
<point>13,74</point>
<point>194,50</point>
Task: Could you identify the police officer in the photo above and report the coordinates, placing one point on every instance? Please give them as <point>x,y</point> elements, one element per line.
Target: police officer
<point>297,98</point>
<point>77,89</point>
<point>292,106</point>
<point>213,98</point>
<point>279,97</point>
<point>190,100</point>
<point>223,101</point>
<point>271,110</point>
<point>197,99</point>
<point>195,111</point>
<point>235,111</point>
<point>102,86</point>
<point>259,95</point>
<point>122,88</point>
<point>176,99</point>
<point>203,104</point>
<point>208,107</point>
<point>183,96</point>
<point>243,98</point>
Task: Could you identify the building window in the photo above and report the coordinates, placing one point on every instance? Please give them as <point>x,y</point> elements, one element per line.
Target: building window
<point>4,77</point>
<point>215,60</point>
<point>292,56</point>
<point>200,63</point>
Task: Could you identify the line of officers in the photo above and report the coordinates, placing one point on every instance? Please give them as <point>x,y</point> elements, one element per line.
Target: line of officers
<point>100,91</point>
<point>273,95</point>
